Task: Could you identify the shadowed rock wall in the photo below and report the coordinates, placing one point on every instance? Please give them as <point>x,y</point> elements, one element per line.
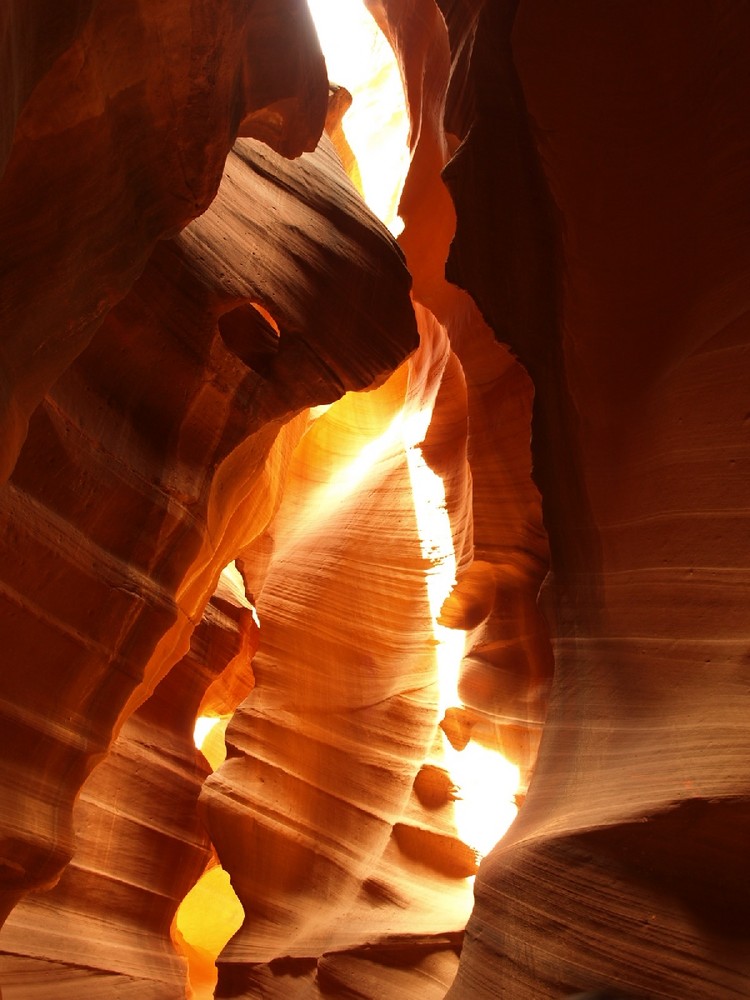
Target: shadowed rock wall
<point>598,174</point>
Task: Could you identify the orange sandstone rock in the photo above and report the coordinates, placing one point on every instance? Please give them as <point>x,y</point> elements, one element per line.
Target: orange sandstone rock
<point>124,116</point>
<point>160,455</point>
<point>580,170</point>
<point>593,178</point>
<point>311,812</point>
<point>139,843</point>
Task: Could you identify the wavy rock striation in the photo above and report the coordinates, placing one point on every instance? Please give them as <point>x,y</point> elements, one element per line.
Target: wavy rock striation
<point>130,112</point>
<point>311,813</point>
<point>133,490</point>
<point>139,844</point>
<point>612,200</point>
<point>212,351</point>
<point>507,669</point>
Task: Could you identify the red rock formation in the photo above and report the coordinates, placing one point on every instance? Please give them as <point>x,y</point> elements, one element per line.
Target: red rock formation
<point>163,338</point>
<point>139,843</point>
<point>134,488</point>
<point>311,814</point>
<point>123,119</point>
<point>598,173</point>
<point>496,600</point>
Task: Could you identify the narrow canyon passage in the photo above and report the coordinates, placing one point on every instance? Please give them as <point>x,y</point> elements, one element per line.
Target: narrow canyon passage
<point>359,473</point>
<point>343,829</point>
<point>373,500</point>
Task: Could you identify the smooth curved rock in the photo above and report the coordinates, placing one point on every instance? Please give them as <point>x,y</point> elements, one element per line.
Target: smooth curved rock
<point>311,812</point>
<point>139,844</point>
<point>129,114</point>
<point>133,492</point>
<point>609,203</point>
<point>581,392</point>
<point>509,540</point>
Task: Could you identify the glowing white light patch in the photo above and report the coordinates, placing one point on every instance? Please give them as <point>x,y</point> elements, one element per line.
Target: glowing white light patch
<point>368,457</point>
<point>436,542</point>
<point>485,783</point>
<point>377,126</point>
<point>203,726</point>
<point>484,779</point>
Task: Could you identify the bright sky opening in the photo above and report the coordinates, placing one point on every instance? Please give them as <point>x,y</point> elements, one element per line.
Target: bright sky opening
<point>376,126</point>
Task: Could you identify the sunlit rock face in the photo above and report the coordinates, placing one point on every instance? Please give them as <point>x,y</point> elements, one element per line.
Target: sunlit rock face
<point>311,812</point>
<point>160,454</point>
<point>505,675</point>
<point>214,352</point>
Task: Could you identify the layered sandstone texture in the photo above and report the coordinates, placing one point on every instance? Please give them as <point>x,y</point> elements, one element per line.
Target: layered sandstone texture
<point>403,520</point>
<point>603,171</point>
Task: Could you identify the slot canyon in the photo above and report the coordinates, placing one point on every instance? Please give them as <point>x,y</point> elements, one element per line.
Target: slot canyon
<point>375,567</point>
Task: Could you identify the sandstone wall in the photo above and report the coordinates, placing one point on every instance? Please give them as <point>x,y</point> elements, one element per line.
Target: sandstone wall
<point>211,350</point>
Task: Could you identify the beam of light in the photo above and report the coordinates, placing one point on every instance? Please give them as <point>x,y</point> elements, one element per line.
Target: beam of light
<point>346,480</point>
<point>485,781</point>
<point>377,124</point>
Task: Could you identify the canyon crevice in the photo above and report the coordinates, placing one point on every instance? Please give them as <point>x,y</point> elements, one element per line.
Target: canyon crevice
<point>402,517</point>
